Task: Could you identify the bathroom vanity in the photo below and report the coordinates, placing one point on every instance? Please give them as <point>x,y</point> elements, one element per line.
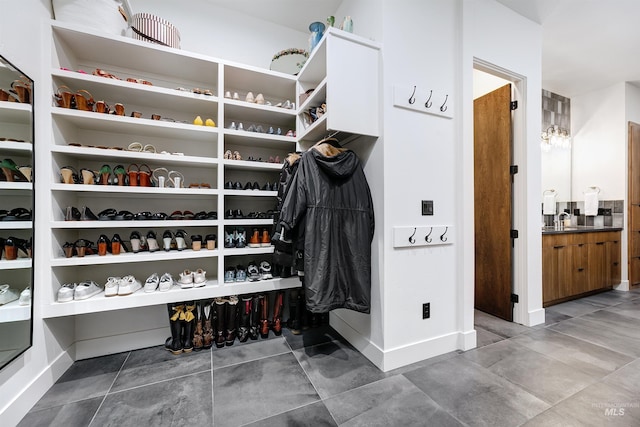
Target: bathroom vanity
<point>579,261</point>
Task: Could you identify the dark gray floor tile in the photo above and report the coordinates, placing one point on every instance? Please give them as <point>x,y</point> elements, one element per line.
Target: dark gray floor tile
<point>178,402</point>
<point>309,337</point>
<point>246,352</point>
<point>70,415</point>
<point>254,390</point>
<point>498,326</point>
<point>628,308</point>
<point>484,337</point>
<point>422,363</point>
<point>313,415</point>
<point>83,380</point>
<point>551,317</point>
<point>472,393</point>
<point>154,364</point>
<point>627,377</point>
<point>551,418</point>
<point>542,376</point>
<point>394,401</point>
<point>617,332</point>
<point>601,404</point>
<point>336,367</point>
<point>575,308</point>
<point>608,298</point>
<point>592,359</point>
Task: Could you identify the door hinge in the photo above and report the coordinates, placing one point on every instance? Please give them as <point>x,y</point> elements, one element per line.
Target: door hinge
<point>514,234</point>
<point>514,105</point>
<point>513,169</point>
<point>514,298</point>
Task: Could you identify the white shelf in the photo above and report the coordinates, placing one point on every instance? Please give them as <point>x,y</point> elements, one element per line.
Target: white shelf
<point>159,255</point>
<point>250,193</point>
<point>248,250</point>
<point>248,222</point>
<point>251,165</point>
<point>100,303</point>
<point>239,137</point>
<point>14,312</point>
<point>20,186</point>
<point>16,225</point>
<point>316,130</point>
<point>16,148</point>
<point>15,264</point>
<point>15,112</point>
<point>124,189</point>
<point>133,224</point>
<point>318,96</point>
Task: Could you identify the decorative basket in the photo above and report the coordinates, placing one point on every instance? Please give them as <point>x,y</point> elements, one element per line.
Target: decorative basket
<point>151,28</point>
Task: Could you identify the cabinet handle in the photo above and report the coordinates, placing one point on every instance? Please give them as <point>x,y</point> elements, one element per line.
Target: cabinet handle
<point>581,269</point>
<point>581,245</point>
<point>615,264</point>
<point>599,243</point>
<point>560,247</point>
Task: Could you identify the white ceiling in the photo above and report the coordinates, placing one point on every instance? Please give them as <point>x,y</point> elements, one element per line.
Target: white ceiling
<point>587,44</point>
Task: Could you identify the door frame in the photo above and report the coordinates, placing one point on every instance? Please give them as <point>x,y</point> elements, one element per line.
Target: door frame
<point>520,282</point>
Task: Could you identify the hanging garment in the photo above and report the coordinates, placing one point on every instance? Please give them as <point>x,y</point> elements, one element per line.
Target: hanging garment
<point>284,242</point>
<point>331,194</point>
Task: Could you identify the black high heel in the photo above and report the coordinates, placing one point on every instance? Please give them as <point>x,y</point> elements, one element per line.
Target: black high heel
<point>103,245</point>
<point>83,246</point>
<point>72,214</point>
<point>87,215</point>
<point>116,244</point>
<point>14,248</point>
<point>152,242</point>
<point>69,249</point>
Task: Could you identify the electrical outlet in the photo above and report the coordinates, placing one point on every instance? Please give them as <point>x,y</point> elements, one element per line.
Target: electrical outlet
<point>426,310</point>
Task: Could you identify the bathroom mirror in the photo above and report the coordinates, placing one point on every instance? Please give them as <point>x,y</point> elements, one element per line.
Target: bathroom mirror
<point>556,144</point>
<point>289,61</point>
<point>16,211</point>
<point>556,173</point>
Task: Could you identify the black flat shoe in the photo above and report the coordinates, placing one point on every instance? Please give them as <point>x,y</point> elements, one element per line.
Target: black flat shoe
<point>107,215</point>
<point>17,214</point>
<point>124,216</point>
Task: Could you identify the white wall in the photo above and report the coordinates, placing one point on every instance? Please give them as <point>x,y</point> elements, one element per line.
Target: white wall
<point>483,83</point>
<point>599,129</point>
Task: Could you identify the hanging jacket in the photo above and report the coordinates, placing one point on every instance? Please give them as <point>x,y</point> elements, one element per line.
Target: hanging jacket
<point>284,244</point>
<point>331,195</point>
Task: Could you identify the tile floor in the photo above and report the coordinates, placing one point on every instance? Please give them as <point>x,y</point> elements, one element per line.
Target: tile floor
<point>582,368</point>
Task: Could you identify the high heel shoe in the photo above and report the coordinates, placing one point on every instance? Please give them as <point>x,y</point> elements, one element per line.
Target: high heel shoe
<point>88,176</point>
<point>72,214</point>
<point>11,171</point>
<point>210,241</point>
<point>69,249</point>
<point>69,175</point>
<point>133,174</point>
<point>83,246</point>
<point>26,171</point>
<point>167,237</point>
<point>105,174</point>
<point>134,239</point>
<point>103,245</point>
<point>144,176</point>
<point>87,215</point>
<point>84,100</point>
<point>65,98</point>
<point>152,242</point>
<point>196,242</point>
<point>116,244</point>
<point>180,243</point>
<point>119,172</point>
<point>11,248</point>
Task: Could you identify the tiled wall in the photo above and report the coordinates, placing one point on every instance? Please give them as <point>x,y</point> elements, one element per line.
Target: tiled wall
<point>556,110</point>
<point>610,214</point>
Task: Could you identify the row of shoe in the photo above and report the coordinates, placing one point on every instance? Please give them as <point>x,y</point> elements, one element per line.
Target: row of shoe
<point>260,129</point>
<point>260,100</point>
<point>312,114</point>
<point>85,214</point>
<point>198,325</point>
<point>237,238</point>
<point>237,214</point>
<point>230,185</point>
<point>8,294</point>
<point>15,247</point>
<point>9,139</point>
<point>192,279</point>
<point>252,273</point>
<point>11,172</point>
<point>121,286</point>
<point>16,214</point>
<point>20,91</point>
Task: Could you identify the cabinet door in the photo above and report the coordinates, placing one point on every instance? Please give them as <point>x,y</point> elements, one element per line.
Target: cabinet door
<point>634,271</point>
<point>580,276</point>
<point>614,257</point>
<point>550,288</point>
<point>597,275</point>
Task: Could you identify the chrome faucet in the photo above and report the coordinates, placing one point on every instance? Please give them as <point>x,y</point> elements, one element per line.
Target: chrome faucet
<point>560,223</point>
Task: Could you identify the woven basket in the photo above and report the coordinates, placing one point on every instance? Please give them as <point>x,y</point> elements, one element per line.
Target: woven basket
<point>153,29</point>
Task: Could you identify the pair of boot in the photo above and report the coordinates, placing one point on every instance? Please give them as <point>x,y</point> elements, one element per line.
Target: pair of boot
<point>181,322</point>
<point>204,320</point>
<point>254,316</point>
<point>226,320</point>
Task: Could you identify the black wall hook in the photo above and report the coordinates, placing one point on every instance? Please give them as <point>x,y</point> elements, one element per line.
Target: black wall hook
<point>412,98</point>
<point>444,107</point>
<point>412,239</point>
<point>428,238</point>
<point>443,238</point>
<point>428,104</point>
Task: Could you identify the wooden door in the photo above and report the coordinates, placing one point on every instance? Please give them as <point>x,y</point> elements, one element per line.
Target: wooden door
<point>634,205</point>
<point>493,211</point>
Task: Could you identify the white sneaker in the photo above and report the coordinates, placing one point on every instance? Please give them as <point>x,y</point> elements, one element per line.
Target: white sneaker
<point>111,287</point>
<point>128,285</point>
<point>86,290</point>
<point>166,282</point>
<point>65,293</point>
<point>152,282</point>
<point>186,279</point>
<point>7,294</point>
<point>199,278</point>
<point>265,271</point>
<point>25,296</point>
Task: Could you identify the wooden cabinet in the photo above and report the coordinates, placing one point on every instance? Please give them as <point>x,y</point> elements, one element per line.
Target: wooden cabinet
<point>575,264</point>
<point>633,235</point>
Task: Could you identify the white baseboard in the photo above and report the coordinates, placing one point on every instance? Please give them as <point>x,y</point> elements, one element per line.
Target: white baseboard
<point>535,317</point>
<point>405,355</point>
<point>101,346</point>
<point>623,286</point>
<point>24,399</point>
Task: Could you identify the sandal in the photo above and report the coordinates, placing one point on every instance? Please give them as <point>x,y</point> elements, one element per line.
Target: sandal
<point>160,177</point>
<point>148,148</point>
<point>133,175</point>
<point>17,214</point>
<point>144,176</point>
<point>135,146</point>
<point>69,175</point>
<point>105,174</point>
<point>65,98</point>
<point>102,73</point>
<point>120,173</point>
<point>84,100</point>
<point>176,178</point>
<point>22,88</point>
<point>88,176</point>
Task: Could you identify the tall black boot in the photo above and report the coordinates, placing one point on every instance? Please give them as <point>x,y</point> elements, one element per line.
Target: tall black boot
<point>220,311</point>
<point>264,315</point>
<point>276,323</point>
<point>188,325</point>
<point>198,339</point>
<point>295,311</point>
<point>232,319</point>
<point>254,321</point>
<point>245,318</point>
<point>174,342</point>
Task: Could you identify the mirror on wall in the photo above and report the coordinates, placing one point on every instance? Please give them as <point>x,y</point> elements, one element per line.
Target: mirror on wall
<point>555,144</point>
<point>16,211</point>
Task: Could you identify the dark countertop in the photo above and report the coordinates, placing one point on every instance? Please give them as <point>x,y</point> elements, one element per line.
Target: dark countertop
<point>579,229</point>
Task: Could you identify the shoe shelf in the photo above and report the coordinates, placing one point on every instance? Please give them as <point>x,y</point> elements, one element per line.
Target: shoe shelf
<point>248,251</point>
<point>16,225</point>
<point>168,224</point>
<point>15,264</point>
<point>251,165</point>
<point>159,255</point>
<point>13,148</point>
<point>15,188</point>
<point>250,193</point>
<point>248,221</point>
<point>15,112</point>
<point>134,191</point>
<point>254,139</point>
<point>14,312</point>
<point>265,115</point>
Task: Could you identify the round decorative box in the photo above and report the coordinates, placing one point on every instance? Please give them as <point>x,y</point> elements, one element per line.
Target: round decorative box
<point>153,29</point>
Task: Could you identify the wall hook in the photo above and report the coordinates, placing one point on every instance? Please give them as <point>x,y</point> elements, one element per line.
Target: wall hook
<point>443,238</point>
<point>428,104</point>
<point>428,238</point>
<point>412,239</point>
<point>444,107</point>
<point>412,98</point>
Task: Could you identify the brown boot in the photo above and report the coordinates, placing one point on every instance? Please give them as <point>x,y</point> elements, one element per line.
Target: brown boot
<point>198,343</point>
<point>276,323</point>
<point>254,321</point>
<point>244,318</point>
<point>207,328</point>
<point>264,315</point>
<point>232,319</point>
<point>220,308</point>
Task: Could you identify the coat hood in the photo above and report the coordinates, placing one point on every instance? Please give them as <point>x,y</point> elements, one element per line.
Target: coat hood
<point>340,165</point>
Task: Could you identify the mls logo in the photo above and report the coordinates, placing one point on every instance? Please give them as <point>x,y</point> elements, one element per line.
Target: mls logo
<point>614,412</point>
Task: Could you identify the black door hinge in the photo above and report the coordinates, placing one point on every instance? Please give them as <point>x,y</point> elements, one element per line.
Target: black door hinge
<point>514,234</point>
<point>514,105</point>
<point>513,169</point>
<point>514,298</point>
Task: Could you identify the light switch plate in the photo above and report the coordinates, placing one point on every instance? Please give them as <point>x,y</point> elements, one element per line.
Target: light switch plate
<point>427,207</point>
